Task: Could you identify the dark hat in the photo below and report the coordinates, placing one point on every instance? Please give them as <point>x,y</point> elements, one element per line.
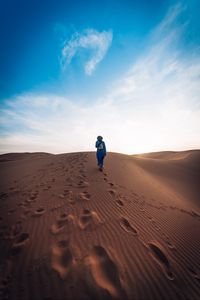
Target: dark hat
<point>99,137</point>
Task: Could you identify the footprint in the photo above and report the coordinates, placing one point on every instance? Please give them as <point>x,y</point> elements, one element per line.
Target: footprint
<point>83,184</point>
<point>67,192</point>
<point>119,203</point>
<point>16,229</point>
<point>112,192</point>
<point>69,196</point>
<point>19,243</point>
<point>21,204</point>
<point>142,209</point>
<point>3,195</point>
<point>63,216</point>
<point>39,212</point>
<point>85,219</point>
<point>60,224</point>
<point>83,174</point>
<point>26,212</point>
<point>167,241</point>
<point>80,177</point>
<point>28,201</point>
<point>6,279</point>
<point>72,218</point>
<point>71,201</point>
<point>124,223</point>
<point>87,195</point>
<point>105,272</point>
<point>84,196</point>
<point>88,218</point>
<point>61,196</point>
<point>47,188</point>
<point>194,273</point>
<point>33,196</point>
<point>161,258</point>
<point>62,260</point>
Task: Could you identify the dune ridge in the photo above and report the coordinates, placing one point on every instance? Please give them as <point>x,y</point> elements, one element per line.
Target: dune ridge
<point>69,231</point>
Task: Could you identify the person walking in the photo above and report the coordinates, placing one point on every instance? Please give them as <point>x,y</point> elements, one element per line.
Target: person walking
<point>101,151</point>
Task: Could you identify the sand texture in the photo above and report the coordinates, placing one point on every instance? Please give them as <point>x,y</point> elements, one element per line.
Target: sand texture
<point>69,231</point>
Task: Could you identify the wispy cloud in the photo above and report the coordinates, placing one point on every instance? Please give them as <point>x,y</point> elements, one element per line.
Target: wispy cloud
<point>163,74</point>
<point>154,106</point>
<point>97,42</point>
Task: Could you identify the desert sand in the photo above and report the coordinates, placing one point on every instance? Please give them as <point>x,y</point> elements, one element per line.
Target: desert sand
<point>69,231</point>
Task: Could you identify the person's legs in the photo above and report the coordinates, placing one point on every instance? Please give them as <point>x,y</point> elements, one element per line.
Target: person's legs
<point>101,160</point>
<point>100,157</point>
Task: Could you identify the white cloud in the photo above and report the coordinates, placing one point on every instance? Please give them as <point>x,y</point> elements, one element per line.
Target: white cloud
<point>97,42</point>
<point>155,106</point>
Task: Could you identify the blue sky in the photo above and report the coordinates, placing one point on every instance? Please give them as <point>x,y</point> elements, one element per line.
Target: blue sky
<point>71,70</point>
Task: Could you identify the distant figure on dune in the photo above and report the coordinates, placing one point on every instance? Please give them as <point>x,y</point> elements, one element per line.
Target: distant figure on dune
<point>101,151</point>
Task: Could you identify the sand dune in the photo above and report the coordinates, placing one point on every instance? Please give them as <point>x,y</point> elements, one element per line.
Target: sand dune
<point>69,231</point>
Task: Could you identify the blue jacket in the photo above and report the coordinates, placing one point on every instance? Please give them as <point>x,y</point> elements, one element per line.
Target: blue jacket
<point>100,145</point>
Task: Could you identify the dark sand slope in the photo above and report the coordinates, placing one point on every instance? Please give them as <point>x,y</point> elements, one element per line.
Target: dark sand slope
<point>69,231</point>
